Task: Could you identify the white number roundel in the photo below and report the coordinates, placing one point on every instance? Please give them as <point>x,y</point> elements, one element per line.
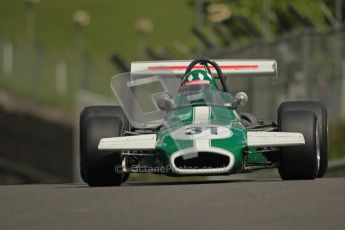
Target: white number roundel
<point>201,132</point>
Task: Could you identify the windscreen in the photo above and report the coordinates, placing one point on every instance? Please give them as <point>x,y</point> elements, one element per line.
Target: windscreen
<point>138,93</point>
<point>206,97</point>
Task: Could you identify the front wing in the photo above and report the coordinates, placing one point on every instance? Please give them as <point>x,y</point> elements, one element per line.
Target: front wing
<point>254,139</point>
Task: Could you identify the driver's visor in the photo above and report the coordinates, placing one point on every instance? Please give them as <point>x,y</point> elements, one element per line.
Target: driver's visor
<point>195,86</point>
<point>195,82</point>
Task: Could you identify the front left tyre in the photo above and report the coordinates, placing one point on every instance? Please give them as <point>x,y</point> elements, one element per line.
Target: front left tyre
<point>300,162</point>
<point>321,115</point>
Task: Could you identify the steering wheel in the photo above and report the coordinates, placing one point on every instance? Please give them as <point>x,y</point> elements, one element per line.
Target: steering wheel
<point>205,62</point>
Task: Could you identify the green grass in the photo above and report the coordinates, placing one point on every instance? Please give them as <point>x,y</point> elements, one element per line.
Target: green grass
<point>111,29</point>
<point>336,139</point>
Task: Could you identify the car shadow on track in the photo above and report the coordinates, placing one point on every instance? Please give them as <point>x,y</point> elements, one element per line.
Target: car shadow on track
<point>199,182</point>
<point>172,183</point>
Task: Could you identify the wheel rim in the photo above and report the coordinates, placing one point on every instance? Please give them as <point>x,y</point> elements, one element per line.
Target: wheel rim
<point>318,153</point>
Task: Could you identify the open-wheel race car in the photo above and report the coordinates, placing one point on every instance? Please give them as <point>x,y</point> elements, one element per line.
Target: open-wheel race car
<point>178,118</point>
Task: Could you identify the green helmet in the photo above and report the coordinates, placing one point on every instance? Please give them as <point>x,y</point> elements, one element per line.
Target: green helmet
<point>198,77</point>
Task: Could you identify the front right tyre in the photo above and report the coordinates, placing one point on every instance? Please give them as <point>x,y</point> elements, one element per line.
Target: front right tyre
<point>100,167</point>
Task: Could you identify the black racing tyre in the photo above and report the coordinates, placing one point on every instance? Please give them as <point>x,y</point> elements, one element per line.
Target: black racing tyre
<point>321,115</point>
<point>97,122</point>
<point>125,177</point>
<point>299,162</point>
<point>100,165</point>
<point>94,111</point>
<point>248,120</point>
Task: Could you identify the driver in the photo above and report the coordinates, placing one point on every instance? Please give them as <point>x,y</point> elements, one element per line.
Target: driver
<point>199,87</point>
<point>197,81</point>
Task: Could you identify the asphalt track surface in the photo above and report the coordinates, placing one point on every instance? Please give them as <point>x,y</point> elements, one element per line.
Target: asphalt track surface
<point>226,204</point>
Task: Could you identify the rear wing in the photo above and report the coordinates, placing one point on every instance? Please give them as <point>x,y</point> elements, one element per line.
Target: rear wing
<point>267,68</point>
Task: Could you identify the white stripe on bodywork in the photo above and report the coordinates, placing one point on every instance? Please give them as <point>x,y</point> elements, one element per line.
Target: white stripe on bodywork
<point>202,115</point>
<point>202,144</point>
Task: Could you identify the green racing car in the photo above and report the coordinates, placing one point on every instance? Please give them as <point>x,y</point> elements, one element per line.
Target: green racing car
<point>178,118</point>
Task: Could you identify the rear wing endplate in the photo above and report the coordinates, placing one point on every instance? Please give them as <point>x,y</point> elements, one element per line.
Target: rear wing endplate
<point>233,68</point>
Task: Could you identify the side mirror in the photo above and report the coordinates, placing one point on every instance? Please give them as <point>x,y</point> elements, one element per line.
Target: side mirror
<point>241,99</point>
<point>165,102</point>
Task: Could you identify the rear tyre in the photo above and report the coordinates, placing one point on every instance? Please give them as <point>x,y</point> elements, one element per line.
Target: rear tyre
<point>321,115</point>
<point>98,167</point>
<point>299,162</point>
<point>248,120</point>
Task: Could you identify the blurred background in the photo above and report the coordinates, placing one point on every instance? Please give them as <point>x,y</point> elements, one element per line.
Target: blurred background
<point>58,56</point>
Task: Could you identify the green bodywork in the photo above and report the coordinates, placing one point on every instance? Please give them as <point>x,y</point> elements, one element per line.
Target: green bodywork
<point>201,121</point>
<point>182,116</point>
